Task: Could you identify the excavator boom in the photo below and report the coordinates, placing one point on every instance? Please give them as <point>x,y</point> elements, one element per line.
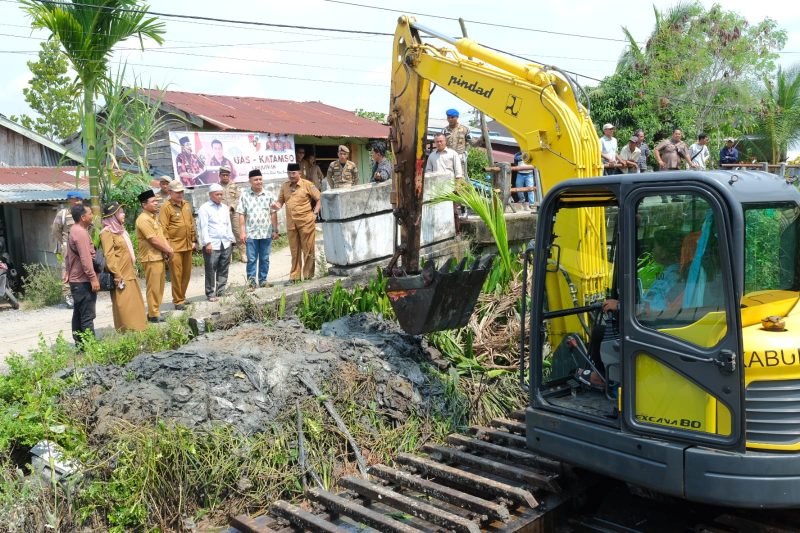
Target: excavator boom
<point>536,103</point>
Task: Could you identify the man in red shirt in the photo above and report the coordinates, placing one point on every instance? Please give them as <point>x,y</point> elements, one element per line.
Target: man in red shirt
<point>80,274</point>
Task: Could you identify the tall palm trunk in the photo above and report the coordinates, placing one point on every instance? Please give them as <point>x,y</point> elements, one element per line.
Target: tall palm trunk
<point>90,138</point>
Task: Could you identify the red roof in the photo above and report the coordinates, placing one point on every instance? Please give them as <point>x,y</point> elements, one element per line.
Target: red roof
<point>40,178</point>
<point>267,115</point>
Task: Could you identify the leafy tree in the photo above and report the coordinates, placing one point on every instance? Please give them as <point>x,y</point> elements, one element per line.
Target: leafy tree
<point>695,71</point>
<point>779,122</point>
<point>371,115</point>
<point>51,94</point>
<point>88,31</point>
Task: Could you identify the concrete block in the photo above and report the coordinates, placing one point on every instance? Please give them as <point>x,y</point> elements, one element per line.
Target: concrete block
<point>365,239</point>
<point>356,201</point>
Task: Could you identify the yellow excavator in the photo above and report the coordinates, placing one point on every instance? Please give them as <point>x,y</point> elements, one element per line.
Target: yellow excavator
<point>664,335</point>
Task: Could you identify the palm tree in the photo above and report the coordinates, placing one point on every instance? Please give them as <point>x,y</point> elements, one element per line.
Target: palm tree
<point>88,31</point>
<point>780,123</point>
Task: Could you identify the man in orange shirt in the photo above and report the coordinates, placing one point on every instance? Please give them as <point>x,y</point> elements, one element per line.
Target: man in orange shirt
<point>301,221</point>
<point>178,222</point>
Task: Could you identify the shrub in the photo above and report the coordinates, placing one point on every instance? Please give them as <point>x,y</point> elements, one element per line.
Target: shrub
<point>42,286</point>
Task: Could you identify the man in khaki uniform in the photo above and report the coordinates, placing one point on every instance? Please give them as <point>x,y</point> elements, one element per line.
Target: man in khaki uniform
<point>153,249</point>
<point>178,223</point>
<point>62,223</point>
<point>163,195</point>
<point>457,137</point>
<point>342,173</point>
<point>231,193</point>
<point>301,221</point>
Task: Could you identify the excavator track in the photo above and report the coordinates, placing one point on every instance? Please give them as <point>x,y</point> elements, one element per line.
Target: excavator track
<point>484,480</point>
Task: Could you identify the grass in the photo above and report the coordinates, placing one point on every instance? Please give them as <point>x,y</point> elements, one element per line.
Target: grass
<point>42,286</point>
<point>167,477</point>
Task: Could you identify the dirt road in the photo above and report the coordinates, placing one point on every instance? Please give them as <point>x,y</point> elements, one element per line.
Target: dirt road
<point>20,329</point>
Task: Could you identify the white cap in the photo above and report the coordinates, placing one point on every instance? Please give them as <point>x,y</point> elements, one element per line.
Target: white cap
<point>608,126</point>
<point>215,187</point>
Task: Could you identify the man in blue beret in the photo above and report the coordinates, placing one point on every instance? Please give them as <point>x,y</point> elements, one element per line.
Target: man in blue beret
<point>457,137</point>
<point>62,223</point>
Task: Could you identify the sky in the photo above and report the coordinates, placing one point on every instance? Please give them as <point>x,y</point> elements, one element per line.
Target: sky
<point>353,70</point>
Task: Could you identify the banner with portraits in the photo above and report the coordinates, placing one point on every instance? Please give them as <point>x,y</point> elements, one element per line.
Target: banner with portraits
<point>198,155</point>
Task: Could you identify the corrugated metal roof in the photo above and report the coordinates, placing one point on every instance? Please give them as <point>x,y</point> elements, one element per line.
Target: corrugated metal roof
<point>273,116</point>
<point>38,184</point>
<point>17,197</point>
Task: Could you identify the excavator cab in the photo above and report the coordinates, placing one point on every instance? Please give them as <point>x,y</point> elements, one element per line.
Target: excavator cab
<point>671,393</point>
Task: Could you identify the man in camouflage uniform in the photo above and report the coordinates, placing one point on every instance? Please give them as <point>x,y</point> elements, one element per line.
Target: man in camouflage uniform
<point>163,194</point>
<point>62,223</point>
<point>231,193</point>
<point>342,173</point>
<point>457,137</point>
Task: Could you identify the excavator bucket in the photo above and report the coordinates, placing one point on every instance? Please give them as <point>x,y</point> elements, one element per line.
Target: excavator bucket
<point>436,300</point>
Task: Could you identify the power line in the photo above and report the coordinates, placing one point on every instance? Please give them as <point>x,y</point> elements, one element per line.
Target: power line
<point>212,19</point>
<point>251,74</point>
<point>482,23</point>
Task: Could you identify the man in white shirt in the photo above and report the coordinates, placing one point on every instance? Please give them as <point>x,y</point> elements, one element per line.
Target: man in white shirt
<point>699,154</point>
<point>444,159</point>
<point>629,155</point>
<point>216,239</point>
<point>608,151</point>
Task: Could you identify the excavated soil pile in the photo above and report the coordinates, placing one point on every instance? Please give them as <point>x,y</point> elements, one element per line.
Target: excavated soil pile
<point>247,375</point>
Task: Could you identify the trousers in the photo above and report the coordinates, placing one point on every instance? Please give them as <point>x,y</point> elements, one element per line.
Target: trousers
<point>216,266</point>
<point>181,266</point>
<point>155,280</point>
<point>301,244</point>
<point>83,310</point>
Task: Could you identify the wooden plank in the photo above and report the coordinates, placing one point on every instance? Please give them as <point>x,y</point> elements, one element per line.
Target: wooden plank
<point>469,480</point>
<point>409,505</point>
<point>304,519</point>
<point>512,454</point>
<point>469,502</point>
<point>531,478</point>
<point>339,505</point>
<point>246,524</point>
<point>512,425</point>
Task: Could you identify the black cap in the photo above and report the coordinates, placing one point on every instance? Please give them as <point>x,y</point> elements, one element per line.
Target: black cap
<point>146,195</point>
<point>293,167</point>
<point>110,209</point>
<point>184,140</point>
<point>254,172</point>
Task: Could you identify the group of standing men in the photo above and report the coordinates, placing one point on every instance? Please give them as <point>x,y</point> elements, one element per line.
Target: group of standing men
<point>669,153</point>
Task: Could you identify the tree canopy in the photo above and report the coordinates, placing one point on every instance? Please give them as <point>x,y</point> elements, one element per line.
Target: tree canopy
<point>88,31</point>
<point>51,94</point>
<point>696,71</point>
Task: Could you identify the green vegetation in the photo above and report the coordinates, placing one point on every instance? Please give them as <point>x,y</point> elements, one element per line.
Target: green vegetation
<point>88,36</point>
<point>42,286</point>
<point>316,309</point>
<point>51,94</point>
<point>699,71</point>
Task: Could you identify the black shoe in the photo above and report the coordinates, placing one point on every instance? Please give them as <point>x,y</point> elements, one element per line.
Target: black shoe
<point>265,285</point>
<point>156,319</point>
<point>180,307</point>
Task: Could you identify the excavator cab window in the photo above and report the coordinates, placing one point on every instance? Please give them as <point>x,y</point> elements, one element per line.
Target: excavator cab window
<point>678,268</point>
<point>582,246</point>
<point>771,248</point>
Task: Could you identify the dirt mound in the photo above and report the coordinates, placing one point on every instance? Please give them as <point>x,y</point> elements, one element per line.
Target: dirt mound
<point>247,375</point>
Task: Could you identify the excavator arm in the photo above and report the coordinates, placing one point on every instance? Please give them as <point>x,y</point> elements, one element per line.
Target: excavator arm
<point>537,104</point>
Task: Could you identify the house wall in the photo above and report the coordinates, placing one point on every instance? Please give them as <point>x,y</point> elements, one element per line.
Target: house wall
<point>37,223</point>
<point>18,151</point>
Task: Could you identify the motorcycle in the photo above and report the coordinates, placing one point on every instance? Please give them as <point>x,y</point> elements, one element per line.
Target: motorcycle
<point>7,274</point>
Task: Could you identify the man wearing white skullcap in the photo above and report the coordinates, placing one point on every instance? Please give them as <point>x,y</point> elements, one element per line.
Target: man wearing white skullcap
<point>216,238</point>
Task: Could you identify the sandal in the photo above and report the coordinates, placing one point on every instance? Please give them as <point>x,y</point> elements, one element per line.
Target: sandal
<point>590,378</point>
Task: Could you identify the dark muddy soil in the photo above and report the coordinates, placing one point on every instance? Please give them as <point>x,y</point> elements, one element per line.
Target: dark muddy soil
<point>247,375</point>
